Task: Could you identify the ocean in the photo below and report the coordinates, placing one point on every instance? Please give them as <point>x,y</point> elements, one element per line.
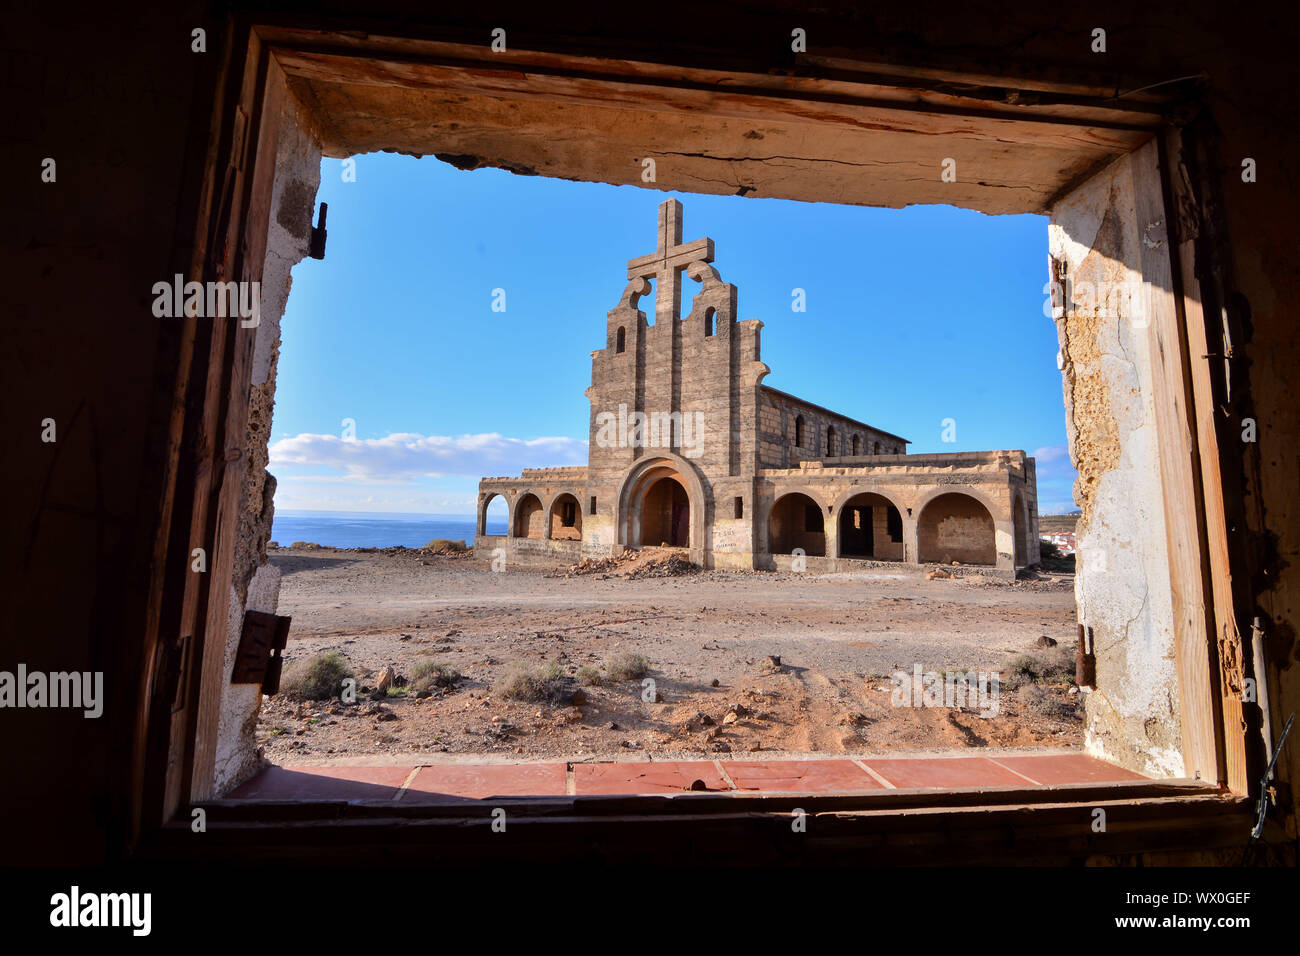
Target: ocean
<point>359,529</point>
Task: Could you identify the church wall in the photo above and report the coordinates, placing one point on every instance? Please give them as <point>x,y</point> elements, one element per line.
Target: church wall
<point>696,379</point>
<point>777,417</point>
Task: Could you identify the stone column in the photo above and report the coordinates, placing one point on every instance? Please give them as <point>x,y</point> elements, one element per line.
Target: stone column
<point>831,531</point>
<point>911,539</point>
<point>1004,537</point>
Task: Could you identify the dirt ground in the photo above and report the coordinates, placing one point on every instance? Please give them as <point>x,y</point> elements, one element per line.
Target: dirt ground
<point>710,638</point>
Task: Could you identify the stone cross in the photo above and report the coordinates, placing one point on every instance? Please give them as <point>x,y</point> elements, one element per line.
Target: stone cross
<point>666,263</point>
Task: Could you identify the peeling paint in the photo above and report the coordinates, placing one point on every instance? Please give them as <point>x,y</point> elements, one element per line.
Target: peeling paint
<point>1122,587</point>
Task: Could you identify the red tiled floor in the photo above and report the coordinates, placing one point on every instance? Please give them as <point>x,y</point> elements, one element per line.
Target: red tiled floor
<point>478,781</point>
<point>813,776</point>
<point>1052,769</point>
<point>659,776</point>
<point>323,783</point>
<point>945,772</point>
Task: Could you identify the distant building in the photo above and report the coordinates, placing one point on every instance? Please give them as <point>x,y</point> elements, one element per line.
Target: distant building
<point>689,449</point>
<point>1064,540</point>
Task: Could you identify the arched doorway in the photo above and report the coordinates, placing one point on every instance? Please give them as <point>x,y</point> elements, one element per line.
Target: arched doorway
<point>796,522</point>
<point>956,527</point>
<point>529,519</point>
<point>666,513</point>
<point>566,518</point>
<point>660,503</point>
<point>494,516</point>
<point>870,526</point>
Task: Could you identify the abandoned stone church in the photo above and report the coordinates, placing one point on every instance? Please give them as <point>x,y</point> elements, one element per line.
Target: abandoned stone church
<point>689,449</point>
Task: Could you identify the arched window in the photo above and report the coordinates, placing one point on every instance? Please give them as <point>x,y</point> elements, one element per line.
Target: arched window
<point>830,441</point>
<point>798,431</point>
<point>857,444</point>
<point>709,315</point>
<point>620,340</point>
<point>877,451</point>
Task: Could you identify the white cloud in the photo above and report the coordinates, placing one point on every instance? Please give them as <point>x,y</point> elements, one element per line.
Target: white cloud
<point>409,455</point>
<point>1052,453</point>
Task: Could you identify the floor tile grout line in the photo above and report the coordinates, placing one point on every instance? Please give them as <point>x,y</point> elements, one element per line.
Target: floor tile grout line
<point>1036,783</point>
<point>726,777</point>
<point>410,779</point>
<point>875,776</point>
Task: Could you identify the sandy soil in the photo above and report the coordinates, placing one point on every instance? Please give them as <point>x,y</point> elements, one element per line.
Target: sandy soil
<point>707,634</point>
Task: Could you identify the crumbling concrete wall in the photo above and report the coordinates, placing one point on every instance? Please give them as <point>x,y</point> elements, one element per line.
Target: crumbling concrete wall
<point>956,528</point>
<point>256,583</point>
<point>1123,583</point>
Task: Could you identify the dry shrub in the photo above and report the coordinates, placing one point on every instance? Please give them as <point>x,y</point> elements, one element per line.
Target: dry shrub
<point>547,684</point>
<point>428,675</point>
<point>627,667</point>
<point>445,544</point>
<point>319,677</point>
<point>1047,703</point>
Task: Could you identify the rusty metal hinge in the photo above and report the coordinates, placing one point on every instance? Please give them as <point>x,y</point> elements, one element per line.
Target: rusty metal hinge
<point>169,663</point>
<point>1085,660</point>
<point>258,659</point>
<point>318,234</point>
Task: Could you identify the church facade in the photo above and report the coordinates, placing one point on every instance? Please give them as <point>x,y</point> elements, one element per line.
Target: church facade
<point>689,449</point>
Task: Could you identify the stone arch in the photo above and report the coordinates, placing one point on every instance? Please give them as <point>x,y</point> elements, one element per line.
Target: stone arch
<point>620,339</point>
<point>957,526</point>
<point>529,518</point>
<point>875,531</point>
<point>710,314</point>
<point>791,524</point>
<point>639,480</point>
<point>564,517</point>
<point>995,510</point>
<point>485,504</point>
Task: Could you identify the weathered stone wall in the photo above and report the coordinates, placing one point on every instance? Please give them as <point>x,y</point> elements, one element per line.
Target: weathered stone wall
<point>956,528</point>
<point>705,369</point>
<point>778,414</point>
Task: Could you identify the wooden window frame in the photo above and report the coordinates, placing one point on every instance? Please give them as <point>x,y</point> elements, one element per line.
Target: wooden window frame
<point>180,690</point>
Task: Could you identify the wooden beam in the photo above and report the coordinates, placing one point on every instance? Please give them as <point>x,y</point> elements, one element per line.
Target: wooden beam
<point>1179,474</point>
<point>1024,827</point>
<point>233,385</point>
<point>1226,643</point>
<point>860,108</point>
<point>830,68</point>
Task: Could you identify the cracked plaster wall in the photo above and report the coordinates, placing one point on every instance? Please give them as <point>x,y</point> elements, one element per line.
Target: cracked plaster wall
<point>1123,587</point>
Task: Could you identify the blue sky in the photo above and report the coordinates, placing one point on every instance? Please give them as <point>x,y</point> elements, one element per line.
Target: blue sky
<point>912,316</point>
